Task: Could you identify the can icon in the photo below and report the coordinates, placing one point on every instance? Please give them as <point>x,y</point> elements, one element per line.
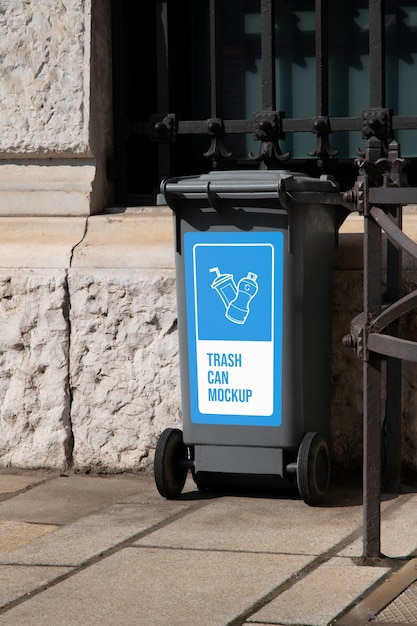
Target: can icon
<point>238,309</point>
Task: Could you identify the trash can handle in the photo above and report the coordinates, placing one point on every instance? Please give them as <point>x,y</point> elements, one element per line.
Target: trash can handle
<point>213,198</point>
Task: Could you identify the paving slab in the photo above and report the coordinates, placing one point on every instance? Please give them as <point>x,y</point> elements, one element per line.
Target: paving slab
<point>94,534</point>
<point>119,553</point>
<point>67,498</point>
<point>320,596</point>
<point>158,587</point>
<point>398,529</point>
<point>12,483</point>
<point>15,534</point>
<point>259,525</point>
<point>17,581</point>
<point>389,602</point>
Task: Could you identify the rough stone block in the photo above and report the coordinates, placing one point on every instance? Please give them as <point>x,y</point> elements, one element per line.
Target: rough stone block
<point>124,366</point>
<point>35,429</point>
<point>44,56</point>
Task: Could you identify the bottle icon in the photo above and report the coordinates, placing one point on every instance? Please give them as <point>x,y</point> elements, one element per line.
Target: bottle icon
<point>238,309</point>
<point>225,286</point>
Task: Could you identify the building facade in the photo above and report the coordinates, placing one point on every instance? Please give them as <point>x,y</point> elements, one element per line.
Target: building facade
<point>89,371</point>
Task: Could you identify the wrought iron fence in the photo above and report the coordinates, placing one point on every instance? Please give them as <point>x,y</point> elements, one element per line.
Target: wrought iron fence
<point>194,73</point>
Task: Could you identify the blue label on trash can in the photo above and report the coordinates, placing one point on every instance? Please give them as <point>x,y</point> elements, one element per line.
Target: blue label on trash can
<point>234,303</point>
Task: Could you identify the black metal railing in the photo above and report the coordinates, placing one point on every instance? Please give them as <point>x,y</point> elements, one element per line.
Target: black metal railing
<point>269,125</point>
<point>167,136</point>
<point>379,195</point>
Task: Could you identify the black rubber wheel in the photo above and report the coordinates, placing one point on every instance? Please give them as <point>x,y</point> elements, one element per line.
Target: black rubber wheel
<point>313,468</point>
<point>170,469</point>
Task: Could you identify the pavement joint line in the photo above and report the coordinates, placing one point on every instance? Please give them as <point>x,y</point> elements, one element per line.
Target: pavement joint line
<point>221,550</point>
<point>198,504</point>
<point>34,523</point>
<point>13,494</point>
<point>39,565</point>
<point>320,560</point>
<point>313,565</point>
<point>55,581</point>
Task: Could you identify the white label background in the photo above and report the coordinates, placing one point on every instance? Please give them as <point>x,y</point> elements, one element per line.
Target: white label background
<point>256,373</point>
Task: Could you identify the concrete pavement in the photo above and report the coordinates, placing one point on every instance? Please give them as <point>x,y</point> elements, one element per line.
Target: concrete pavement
<point>109,550</point>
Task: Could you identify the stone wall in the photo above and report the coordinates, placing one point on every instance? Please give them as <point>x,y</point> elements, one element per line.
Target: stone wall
<point>45,54</point>
<point>88,367</point>
<point>88,349</point>
<point>89,371</point>
<point>35,410</point>
<point>56,107</point>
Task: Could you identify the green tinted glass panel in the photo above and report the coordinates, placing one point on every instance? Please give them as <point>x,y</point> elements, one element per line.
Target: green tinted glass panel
<point>295,67</point>
<point>401,63</point>
<point>348,69</point>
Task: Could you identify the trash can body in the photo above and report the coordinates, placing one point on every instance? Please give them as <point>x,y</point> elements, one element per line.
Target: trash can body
<point>254,294</point>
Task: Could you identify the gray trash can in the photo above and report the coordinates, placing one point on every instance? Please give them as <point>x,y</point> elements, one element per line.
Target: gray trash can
<point>254,272</point>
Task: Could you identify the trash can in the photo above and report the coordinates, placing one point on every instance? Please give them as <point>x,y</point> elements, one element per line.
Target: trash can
<point>254,272</point>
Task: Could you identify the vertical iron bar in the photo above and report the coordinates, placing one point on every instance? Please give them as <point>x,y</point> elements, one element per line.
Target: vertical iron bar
<point>372,303</point>
<point>393,374</point>
<point>372,457</point>
<point>163,86</point>
<point>268,55</point>
<point>322,58</point>
<point>161,21</point>
<point>372,397</point>
<point>216,74</point>
<point>377,53</point>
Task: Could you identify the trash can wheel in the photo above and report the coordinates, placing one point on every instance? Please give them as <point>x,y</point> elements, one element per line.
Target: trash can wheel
<point>313,468</point>
<point>170,464</point>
